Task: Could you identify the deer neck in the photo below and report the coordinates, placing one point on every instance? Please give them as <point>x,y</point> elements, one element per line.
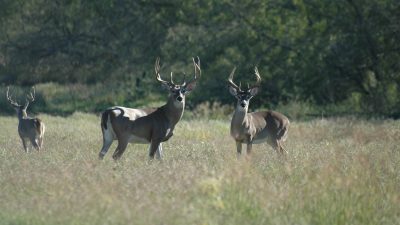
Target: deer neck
<point>174,111</point>
<point>240,117</point>
<point>22,114</point>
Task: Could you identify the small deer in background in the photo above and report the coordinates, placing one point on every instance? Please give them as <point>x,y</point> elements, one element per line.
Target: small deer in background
<point>147,126</point>
<point>256,127</point>
<point>28,128</point>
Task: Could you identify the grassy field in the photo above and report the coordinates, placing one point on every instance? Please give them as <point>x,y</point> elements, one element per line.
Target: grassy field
<point>338,171</point>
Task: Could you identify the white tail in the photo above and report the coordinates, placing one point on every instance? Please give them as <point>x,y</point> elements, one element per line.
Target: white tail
<point>31,129</point>
<point>147,126</point>
<point>257,127</point>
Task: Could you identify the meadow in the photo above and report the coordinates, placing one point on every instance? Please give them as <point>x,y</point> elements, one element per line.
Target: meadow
<point>338,171</point>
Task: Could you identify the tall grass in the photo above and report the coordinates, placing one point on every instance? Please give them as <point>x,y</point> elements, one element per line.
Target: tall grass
<point>339,171</point>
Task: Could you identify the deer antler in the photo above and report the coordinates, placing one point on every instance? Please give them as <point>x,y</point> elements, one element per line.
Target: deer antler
<point>230,80</point>
<point>258,78</point>
<point>158,76</point>
<point>30,97</point>
<point>157,70</point>
<point>197,70</point>
<point>13,103</point>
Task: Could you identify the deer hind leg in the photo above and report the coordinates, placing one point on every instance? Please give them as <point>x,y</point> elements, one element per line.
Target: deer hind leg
<point>282,149</point>
<point>274,144</point>
<point>40,139</point>
<point>249,147</point>
<point>108,139</point>
<point>35,143</point>
<point>40,142</point>
<point>122,143</point>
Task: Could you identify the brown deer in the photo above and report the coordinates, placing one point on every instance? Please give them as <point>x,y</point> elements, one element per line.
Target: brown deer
<point>147,126</point>
<point>28,128</point>
<point>256,127</point>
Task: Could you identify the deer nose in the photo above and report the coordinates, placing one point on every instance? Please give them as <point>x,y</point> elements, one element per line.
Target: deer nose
<point>243,105</point>
<point>179,98</point>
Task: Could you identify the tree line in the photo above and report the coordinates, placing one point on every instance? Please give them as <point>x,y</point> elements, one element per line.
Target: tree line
<point>316,51</point>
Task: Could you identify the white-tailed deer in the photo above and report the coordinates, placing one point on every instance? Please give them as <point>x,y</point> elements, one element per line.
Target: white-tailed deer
<point>147,126</point>
<point>256,127</point>
<point>28,128</point>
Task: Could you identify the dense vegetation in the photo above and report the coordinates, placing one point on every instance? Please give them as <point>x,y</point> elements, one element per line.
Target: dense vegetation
<point>338,171</point>
<point>316,52</point>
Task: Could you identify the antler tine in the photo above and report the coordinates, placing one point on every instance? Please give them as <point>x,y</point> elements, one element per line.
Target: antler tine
<point>230,79</point>
<point>196,67</point>
<point>258,78</point>
<point>171,81</point>
<point>197,71</point>
<point>30,96</point>
<point>157,71</point>
<point>13,103</point>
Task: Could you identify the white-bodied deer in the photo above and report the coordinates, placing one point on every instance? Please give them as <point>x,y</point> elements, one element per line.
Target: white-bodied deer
<point>31,129</point>
<point>256,127</point>
<point>147,126</point>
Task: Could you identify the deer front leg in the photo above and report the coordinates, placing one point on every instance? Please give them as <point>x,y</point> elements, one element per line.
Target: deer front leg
<point>159,152</point>
<point>155,143</point>
<point>24,144</point>
<point>238,148</point>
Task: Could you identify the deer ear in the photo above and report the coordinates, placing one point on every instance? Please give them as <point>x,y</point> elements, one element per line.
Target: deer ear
<point>253,91</point>
<point>190,86</point>
<point>233,91</point>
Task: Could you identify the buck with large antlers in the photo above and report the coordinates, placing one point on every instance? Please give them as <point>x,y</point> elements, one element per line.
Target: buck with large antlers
<point>257,127</point>
<point>28,128</point>
<point>147,126</point>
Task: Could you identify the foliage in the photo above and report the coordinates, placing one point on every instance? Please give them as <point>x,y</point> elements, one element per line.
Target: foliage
<point>315,51</point>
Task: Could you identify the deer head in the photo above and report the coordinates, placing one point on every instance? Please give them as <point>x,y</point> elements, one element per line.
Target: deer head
<point>244,96</point>
<point>179,91</point>
<point>21,109</point>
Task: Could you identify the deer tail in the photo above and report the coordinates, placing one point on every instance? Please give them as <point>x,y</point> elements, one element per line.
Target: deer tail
<point>104,118</point>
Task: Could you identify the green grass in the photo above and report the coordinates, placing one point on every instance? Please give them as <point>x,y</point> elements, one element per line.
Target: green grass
<point>339,171</point>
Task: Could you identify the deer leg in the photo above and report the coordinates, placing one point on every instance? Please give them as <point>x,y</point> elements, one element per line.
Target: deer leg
<point>282,149</point>
<point>153,148</point>
<point>159,152</point>
<point>41,135</point>
<point>238,148</point>
<point>35,144</point>
<point>249,147</point>
<point>122,143</point>
<point>274,145</point>
<point>40,142</point>
<point>24,144</point>
<point>107,141</point>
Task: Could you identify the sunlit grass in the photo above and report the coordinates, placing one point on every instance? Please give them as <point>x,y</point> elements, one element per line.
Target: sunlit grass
<point>338,171</point>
